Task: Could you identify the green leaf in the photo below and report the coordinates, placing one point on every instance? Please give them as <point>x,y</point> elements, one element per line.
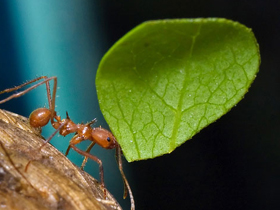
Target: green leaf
<point>165,80</point>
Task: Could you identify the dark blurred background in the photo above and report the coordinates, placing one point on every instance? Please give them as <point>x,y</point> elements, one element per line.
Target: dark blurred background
<point>232,164</point>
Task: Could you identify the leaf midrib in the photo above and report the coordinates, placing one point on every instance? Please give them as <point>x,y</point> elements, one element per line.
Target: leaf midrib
<point>180,103</point>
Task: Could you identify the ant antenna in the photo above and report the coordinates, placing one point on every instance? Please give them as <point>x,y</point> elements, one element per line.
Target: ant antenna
<point>126,184</point>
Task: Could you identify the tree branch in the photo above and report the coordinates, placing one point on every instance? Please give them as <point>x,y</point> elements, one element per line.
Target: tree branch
<point>51,181</point>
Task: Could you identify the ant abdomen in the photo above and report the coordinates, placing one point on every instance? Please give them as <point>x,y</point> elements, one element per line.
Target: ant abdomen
<point>40,117</point>
<point>104,138</point>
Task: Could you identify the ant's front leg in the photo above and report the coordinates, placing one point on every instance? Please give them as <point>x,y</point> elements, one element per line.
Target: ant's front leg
<point>73,142</point>
<point>87,151</point>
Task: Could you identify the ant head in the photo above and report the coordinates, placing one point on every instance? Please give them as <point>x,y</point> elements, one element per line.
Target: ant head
<point>104,138</point>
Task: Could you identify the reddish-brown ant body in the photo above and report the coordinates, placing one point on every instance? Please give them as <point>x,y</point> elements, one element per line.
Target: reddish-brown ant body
<point>41,116</point>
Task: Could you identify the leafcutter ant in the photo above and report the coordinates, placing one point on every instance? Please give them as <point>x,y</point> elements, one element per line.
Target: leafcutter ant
<point>97,135</point>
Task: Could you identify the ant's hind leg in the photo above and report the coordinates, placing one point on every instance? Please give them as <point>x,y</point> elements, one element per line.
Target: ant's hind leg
<point>22,85</point>
<point>45,81</point>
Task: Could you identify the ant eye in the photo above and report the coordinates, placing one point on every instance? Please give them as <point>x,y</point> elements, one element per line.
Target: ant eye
<point>108,139</point>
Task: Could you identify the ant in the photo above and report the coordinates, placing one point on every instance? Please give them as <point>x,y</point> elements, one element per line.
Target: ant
<point>41,117</point>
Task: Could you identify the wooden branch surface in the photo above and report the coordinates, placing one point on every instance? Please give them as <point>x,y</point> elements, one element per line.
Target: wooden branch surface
<point>51,181</point>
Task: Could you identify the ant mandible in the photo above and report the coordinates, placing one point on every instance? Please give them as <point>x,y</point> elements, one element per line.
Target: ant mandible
<point>41,117</point>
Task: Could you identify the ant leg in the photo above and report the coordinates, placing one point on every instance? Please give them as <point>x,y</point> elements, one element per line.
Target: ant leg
<point>45,81</point>
<point>22,85</point>
<point>92,122</point>
<point>68,149</point>
<point>45,142</point>
<point>50,138</point>
<point>126,184</point>
<point>89,147</point>
<point>86,158</point>
<point>52,103</point>
<point>77,139</point>
<point>96,159</point>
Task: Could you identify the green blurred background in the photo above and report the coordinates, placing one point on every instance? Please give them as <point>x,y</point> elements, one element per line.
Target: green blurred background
<point>232,164</point>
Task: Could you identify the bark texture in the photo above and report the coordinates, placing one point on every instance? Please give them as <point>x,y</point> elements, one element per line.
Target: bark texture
<point>51,181</point>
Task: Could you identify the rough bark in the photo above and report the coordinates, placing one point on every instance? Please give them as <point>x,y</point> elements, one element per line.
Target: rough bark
<point>51,180</point>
